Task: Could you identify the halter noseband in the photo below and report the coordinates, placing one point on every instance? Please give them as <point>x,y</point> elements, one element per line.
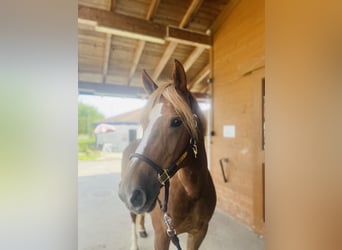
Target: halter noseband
<point>164,175</point>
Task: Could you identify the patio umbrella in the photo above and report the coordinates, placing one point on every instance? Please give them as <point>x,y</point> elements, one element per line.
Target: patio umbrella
<point>104,128</point>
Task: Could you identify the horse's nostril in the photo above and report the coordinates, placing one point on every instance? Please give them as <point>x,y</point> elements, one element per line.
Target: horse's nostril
<point>138,198</point>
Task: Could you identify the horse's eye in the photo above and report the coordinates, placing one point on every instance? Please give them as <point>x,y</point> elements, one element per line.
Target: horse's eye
<point>175,122</point>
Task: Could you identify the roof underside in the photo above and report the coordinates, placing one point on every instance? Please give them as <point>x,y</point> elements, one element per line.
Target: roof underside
<point>119,38</point>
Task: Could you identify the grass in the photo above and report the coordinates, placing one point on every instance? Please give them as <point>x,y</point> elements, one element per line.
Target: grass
<point>86,147</point>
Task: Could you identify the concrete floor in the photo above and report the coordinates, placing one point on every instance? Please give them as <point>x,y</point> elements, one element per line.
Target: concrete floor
<point>104,222</point>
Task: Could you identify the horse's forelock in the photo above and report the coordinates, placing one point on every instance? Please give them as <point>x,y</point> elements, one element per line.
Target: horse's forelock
<point>169,92</point>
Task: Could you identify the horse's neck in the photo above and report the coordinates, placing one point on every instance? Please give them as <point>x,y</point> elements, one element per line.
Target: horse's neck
<point>193,174</point>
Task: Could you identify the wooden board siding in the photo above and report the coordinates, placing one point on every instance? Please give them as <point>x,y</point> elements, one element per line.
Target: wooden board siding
<point>238,61</point>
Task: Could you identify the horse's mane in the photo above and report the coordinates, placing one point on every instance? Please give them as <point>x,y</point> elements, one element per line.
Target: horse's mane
<point>171,95</point>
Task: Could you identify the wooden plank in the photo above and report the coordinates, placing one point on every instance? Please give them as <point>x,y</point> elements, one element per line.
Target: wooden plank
<point>225,13</point>
<point>194,6</point>
<point>193,57</point>
<point>121,25</point>
<point>141,45</point>
<point>137,28</point>
<point>92,88</point>
<point>204,89</point>
<point>106,57</point>
<point>201,75</point>
<point>138,52</point>
<point>197,39</point>
<point>113,5</point>
<point>191,11</point>
<point>164,59</point>
<point>153,9</point>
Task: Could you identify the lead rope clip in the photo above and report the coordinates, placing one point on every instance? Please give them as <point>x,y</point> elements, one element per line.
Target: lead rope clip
<point>168,222</point>
<point>194,148</point>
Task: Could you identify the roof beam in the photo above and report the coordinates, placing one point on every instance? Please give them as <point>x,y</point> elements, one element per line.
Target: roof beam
<point>164,59</point>
<point>136,58</point>
<point>112,5</point>
<point>204,89</point>
<point>106,57</point>
<point>200,76</point>
<point>192,58</point>
<point>188,37</point>
<point>108,47</point>
<point>225,13</point>
<point>121,25</point>
<point>194,6</point>
<point>141,44</point>
<point>153,9</point>
<point>92,88</point>
<point>137,28</point>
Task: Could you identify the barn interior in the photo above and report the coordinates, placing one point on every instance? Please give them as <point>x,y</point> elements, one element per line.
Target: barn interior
<point>221,45</point>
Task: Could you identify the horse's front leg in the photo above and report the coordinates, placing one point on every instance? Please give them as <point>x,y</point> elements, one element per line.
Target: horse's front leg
<point>140,222</point>
<point>161,240</point>
<point>134,241</point>
<point>195,238</point>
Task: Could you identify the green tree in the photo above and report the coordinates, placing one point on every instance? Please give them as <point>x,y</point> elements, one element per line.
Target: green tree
<point>87,115</point>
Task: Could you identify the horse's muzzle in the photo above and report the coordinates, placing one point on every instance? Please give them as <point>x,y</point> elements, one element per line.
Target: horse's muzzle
<point>138,199</point>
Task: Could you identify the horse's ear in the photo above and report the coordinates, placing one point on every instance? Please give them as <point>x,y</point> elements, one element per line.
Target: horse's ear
<point>179,77</point>
<point>149,84</point>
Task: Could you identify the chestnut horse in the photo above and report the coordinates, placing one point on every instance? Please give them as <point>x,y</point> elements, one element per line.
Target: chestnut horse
<point>170,165</point>
<point>138,220</point>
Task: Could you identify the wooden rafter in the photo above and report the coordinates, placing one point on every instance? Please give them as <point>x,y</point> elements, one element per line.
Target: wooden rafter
<point>153,9</point>
<point>223,15</point>
<point>200,76</point>
<point>106,57</point>
<point>194,6</point>
<point>121,25</point>
<point>141,44</point>
<point>108,47</point>
<point>112,5</point>
<point>92,88</point>
<point>137,28</point>
<point>183,36</point>
<point>204,89</point>
<point>193,57</point>
<point>136,58</point>
<point>164,59</point>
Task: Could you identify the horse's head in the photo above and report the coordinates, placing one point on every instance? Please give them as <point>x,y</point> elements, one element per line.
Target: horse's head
<point>169,125</point>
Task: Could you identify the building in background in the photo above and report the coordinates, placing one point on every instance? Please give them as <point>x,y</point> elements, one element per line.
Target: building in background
<point>113,134</point>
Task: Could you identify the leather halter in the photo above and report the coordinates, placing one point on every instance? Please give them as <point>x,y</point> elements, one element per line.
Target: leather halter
<point>164,175</point>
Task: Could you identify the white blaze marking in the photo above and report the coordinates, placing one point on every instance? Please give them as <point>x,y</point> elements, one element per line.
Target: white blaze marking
<point>156,112</point>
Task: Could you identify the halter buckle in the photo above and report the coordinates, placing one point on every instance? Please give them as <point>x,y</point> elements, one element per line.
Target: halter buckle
<point>164,177</point>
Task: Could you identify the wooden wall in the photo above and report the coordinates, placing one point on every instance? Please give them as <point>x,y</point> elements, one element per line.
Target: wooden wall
<point>238,69</point>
